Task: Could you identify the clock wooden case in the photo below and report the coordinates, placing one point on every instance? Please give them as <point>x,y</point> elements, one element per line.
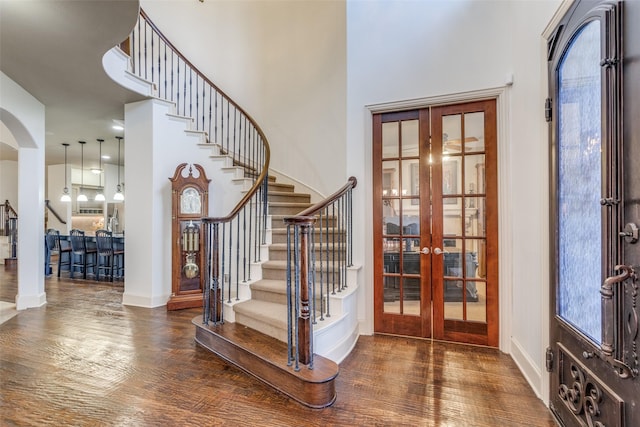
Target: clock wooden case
<point>190,203</point>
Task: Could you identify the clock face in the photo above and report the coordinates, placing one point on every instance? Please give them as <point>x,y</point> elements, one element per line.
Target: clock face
<point>190,201</point>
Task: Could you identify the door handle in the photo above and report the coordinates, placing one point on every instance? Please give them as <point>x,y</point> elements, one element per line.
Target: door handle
<point>435,251</point>
<point>612,346</point>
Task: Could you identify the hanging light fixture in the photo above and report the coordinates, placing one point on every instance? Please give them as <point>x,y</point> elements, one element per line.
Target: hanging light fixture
<point>118,196</point>
<point>81,196</point>
<point>66,197</point>
<point>100,195</point>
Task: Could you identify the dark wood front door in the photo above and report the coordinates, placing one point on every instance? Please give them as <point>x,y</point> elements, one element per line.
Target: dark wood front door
<point>435,216</point>
<point>595,196</point>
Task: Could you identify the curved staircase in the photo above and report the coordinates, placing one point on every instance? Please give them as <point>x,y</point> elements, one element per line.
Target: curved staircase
<point>254,333</point>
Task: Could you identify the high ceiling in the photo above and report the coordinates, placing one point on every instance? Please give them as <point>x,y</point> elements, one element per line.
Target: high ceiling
<point>54,49</point>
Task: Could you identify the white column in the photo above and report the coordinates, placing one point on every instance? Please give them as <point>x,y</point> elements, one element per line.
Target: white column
<point>30,228</point>
<point>147,213</point>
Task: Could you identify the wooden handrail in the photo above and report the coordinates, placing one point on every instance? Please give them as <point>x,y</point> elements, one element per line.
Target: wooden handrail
<point>351,183</point>
<point>265,167</point>
<point>303,267</point>
<point>53,211</point>
<point>11,213</point>
<point>193,67</point>
<point>234,212</point>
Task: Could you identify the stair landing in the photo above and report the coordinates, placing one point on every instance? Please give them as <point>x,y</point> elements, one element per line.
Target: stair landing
<point>265,358</point>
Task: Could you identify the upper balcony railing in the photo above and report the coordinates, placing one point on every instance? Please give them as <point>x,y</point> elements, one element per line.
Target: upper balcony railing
<point>225,124</point>
<point>176,79</point>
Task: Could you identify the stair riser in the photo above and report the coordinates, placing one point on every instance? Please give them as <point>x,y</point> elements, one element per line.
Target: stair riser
<point>279,274</point>
<point>289,198</point>
<point>288,188</point>
<point>278,221</point>
<point>280,236</point>
<point>280,254</point>
<point>279,297</point>
<point>277,332</point>
<point>287,210</point>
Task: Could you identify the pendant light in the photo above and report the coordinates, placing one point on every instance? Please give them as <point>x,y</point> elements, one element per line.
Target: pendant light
<point>81,196</point>
<point>100,195</point>
<point>118,196</point>
<point>66,197</point>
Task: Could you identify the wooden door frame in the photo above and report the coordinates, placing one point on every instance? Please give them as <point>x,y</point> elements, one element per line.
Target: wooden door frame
<point>467,331</point>
<point>418,326</point>
<point>505,231</point>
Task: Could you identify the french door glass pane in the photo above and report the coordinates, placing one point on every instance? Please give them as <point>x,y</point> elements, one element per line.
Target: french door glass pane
<point>410,138</point>
<point>451,177</point>
<point>390,140</point>
<point>391,294</point>
<point>477,308</point>
<point>452,222</point>
<point>474,174</point>
<point>390,219</point>
<point>580,183</point>
<point>410,178</point>
<point>474,132</point>
<point>476,263</point>
<point>451,134</point>
<point>390,178</point>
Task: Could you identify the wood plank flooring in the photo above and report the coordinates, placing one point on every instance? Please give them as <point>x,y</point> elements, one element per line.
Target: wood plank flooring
<point>86,360</point>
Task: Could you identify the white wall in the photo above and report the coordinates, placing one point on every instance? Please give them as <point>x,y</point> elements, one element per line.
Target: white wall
<point>284,62</point>
<point>402,51</point>
<point>9,181</point>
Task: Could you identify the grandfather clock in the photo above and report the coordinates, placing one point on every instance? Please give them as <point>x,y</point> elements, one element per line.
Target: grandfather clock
<point>190,203</point>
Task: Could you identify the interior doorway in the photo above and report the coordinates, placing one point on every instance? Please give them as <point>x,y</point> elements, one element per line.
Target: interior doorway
<point>435,222</point>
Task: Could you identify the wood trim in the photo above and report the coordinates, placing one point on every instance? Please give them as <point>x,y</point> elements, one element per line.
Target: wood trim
<point>265,358</point>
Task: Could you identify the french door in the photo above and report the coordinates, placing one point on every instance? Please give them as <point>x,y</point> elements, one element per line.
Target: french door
<point>593,354</point>
<point>435,222</point>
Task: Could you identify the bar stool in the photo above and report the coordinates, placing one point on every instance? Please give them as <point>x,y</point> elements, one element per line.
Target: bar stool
<point>54,245</point>
<point>110,258</point>
<point>83,256</point>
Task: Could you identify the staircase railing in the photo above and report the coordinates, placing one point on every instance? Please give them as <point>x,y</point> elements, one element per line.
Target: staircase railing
<point>319,250</point>
<point>9,224</point>
<point>320,237</point>
<point>232,242</point>
<point>177,80</point>
<point>53,211</point>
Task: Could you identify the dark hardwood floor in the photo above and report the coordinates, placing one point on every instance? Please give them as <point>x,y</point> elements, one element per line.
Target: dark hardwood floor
<point>86,360</point>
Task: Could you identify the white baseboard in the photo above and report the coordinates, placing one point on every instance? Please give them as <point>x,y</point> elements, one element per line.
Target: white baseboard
<point>144,301</point>
<point>30,301</point>
<point>342,349</point>
<point>531,372</point>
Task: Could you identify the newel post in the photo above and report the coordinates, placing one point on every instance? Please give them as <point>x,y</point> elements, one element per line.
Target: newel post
<point>304,319</point>
<point>299,276</point>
